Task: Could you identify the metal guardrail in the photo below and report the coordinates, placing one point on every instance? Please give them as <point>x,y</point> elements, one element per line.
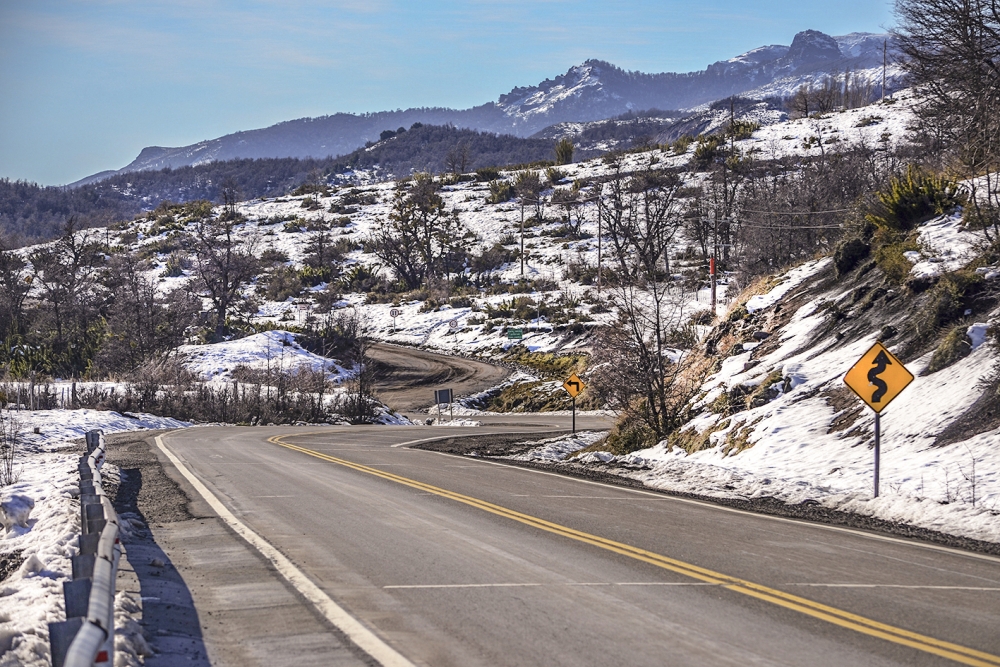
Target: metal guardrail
<point>87,637</point>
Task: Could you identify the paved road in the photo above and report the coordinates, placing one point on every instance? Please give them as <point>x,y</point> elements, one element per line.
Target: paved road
<point>456,561</point>
<point>407,377</point>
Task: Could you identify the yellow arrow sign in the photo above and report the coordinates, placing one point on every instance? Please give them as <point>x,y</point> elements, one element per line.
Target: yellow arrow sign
<point>574,385</point>
<point>878,377</point>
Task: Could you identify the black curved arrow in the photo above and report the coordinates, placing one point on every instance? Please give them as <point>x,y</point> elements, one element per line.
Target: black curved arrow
<point>878,367</point>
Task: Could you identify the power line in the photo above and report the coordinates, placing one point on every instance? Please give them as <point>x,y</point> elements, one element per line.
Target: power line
<point>835,210</point>
<point>789,227</point>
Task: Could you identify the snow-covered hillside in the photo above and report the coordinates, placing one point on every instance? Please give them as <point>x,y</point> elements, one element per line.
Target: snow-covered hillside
<point>280,225</point>
<point>806,442</point>
<point>812,441</point>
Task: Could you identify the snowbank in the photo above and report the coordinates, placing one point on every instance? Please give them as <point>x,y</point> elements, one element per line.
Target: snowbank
<point>32,597</point>
<point>271,350</point>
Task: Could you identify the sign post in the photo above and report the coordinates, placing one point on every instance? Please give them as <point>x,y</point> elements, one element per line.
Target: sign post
<point>711,273</point>
<point>573,386</point>
<point>877,378</point>
<point>515,334</point>
<point>394,313</point>
<point>444,396</point>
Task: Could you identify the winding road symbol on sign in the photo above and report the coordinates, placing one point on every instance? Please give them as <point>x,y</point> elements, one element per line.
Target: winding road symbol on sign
<point>881,362</point>
<point>878,377</point>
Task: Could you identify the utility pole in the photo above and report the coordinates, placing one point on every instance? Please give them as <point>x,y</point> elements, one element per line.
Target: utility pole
<point>522,238</point>
<point>711,273</point>
<point>712,264</point>
<point>599,236</point>
<point>885,48</point>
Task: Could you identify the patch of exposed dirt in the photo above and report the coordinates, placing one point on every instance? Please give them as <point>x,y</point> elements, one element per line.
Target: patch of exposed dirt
<point>9,563</point>
<point>492,445</point>
<point>849,407</point>
<point>145,489</point>
<point>982,416</point>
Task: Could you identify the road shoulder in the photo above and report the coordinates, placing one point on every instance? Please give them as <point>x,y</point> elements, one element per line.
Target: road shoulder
<point>208,597</point>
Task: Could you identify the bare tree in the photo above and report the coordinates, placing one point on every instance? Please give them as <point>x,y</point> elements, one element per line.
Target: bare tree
<point>951,53</point>
<point>641,217</point>
<point>65,273</point>
<point>457,159</point>
<point>10,441</point>
<point>570,200</point>
<point>224,263</point>
<point>141,323</point>
<point>15,283</point>
<point>352,329</point>
<point>420,239</point>
<point>230,193</point>
<point>645,375</point>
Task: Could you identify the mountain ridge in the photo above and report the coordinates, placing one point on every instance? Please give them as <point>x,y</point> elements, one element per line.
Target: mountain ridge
<point>593,90</point>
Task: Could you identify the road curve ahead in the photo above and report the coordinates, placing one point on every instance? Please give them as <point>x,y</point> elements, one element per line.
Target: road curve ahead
<point>461,562</point>
<point>407,377</point>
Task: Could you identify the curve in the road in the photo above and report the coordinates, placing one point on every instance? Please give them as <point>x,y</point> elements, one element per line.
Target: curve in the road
<point>858,623</point>
<point>463,562</point>
<point>405,377</point>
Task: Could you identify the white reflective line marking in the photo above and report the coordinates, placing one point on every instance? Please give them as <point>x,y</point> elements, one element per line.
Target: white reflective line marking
<point>590,497</point>
<point>532,585</point>
<point>365,639</point>
<point>445,437</point>
<point>913,586</point>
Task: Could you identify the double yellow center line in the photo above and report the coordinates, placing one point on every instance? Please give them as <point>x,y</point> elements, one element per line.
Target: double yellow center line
<point>961,654</point>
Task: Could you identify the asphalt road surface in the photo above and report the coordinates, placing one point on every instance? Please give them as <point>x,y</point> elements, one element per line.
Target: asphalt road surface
<point>407,377</point>
<point>452,561</point>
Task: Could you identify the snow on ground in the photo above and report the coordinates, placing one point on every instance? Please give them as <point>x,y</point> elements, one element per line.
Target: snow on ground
<point>792,451</point>
<point>875,126</point>
<point>271,350</point>
<point>557,449</point>
<point>790,281</point>
<point>944,247</point>
<point>447,420</point>
<point>32,596</point>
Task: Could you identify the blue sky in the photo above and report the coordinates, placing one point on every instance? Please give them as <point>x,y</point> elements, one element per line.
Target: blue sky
<point>87,84</point>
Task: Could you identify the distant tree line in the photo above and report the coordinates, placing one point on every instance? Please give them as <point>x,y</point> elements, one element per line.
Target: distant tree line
<point>437,149</point>
<point>30,213</point>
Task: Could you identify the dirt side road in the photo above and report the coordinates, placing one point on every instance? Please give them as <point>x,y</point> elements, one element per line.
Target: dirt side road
<point>406,377</point>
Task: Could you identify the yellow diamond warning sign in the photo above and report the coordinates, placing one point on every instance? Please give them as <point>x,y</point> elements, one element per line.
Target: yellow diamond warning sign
<point>878,377</point>
<point>574,385</point>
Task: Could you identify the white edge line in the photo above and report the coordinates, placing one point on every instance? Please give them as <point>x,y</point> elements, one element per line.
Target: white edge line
<point>364,638</point>
<point>566,584</point>
<point>665,495</point>
<point>445,437</point>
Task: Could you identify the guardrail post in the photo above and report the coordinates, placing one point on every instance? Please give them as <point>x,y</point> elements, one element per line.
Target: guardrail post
<point>88,544</point>
<point>87,637</point>
<point>61,636</point>
<point>83,566</point>
<point>76,594</point>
